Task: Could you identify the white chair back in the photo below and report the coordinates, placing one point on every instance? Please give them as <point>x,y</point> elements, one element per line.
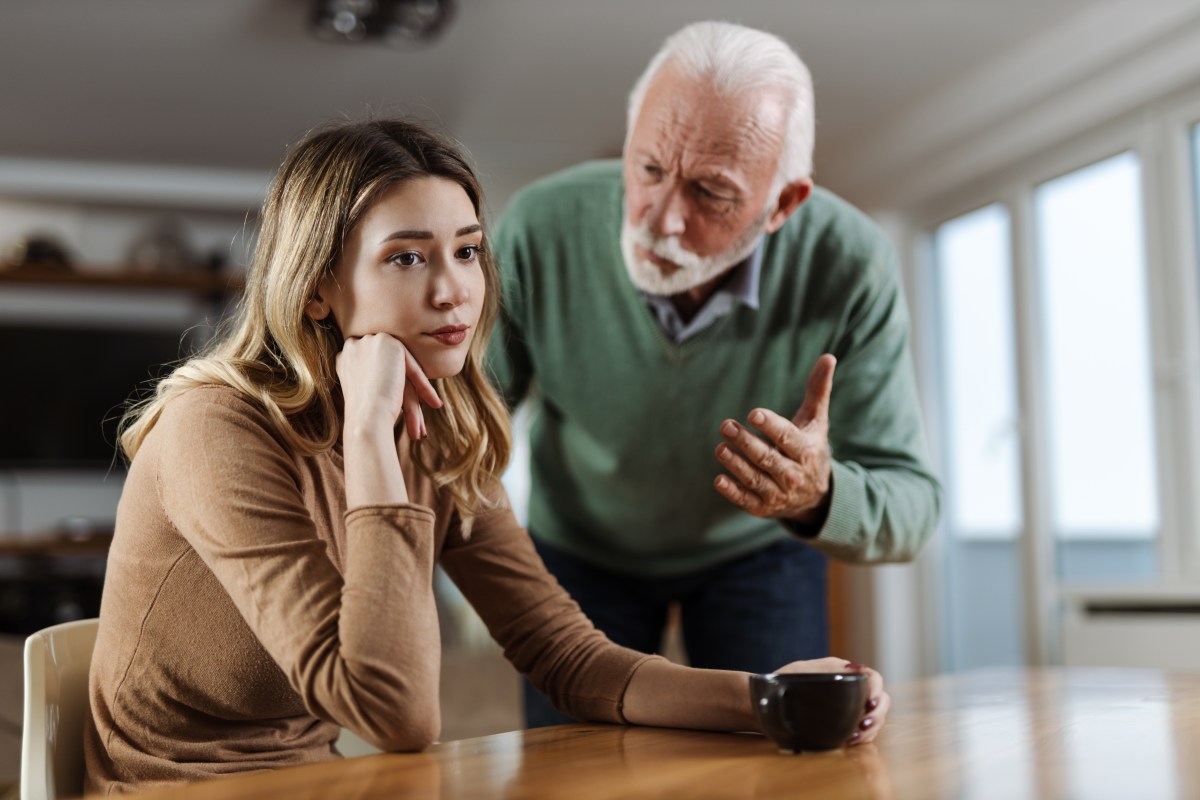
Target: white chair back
<point>56,699</point>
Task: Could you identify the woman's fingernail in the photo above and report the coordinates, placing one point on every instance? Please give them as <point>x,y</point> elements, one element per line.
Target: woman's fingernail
<point>854,736</point>
<point>866,723</point>
<point>872,704</point>
<point>729,429</point>
<point>856,667</point>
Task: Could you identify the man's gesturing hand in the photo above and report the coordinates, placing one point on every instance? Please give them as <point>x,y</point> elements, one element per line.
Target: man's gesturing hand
<point>787,476</point>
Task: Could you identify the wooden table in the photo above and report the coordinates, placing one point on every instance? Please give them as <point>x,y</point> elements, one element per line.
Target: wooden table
<point>1010,734</point>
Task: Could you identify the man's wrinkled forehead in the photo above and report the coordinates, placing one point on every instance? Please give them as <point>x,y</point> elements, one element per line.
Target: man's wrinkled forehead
<point>682,117</point>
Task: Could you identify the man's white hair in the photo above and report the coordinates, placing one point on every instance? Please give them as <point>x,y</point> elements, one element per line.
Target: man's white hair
<point>732,59</point>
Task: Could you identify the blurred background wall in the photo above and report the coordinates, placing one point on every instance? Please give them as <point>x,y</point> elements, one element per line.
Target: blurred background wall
<point>1034,164</point>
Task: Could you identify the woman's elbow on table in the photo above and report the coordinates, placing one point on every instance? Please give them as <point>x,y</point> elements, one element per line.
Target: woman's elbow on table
<point>408,739</point>
<point>406,718</point>
<point>401,729</point>
<point>393,713</point>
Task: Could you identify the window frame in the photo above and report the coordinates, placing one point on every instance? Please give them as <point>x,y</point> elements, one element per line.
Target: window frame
<point>1159,134</point>
<point>939,368</point>
<point>1181,246</point>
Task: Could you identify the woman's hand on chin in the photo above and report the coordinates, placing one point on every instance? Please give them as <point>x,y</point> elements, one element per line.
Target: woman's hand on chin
<point>380,381</point>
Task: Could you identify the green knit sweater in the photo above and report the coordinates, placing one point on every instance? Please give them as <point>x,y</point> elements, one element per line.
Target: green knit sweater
<point>625,421</point>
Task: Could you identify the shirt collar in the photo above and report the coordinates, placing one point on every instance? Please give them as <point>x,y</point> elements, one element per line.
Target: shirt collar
<point>743,283</point>
<point>741,287</point>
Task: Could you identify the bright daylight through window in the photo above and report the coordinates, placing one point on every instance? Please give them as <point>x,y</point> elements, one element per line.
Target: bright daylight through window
<point>1097,354</point>
<point>974,282</point>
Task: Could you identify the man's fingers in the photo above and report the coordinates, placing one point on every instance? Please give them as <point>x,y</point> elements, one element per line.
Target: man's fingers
<point>739,495</point>
<point>791,441</point>
<point>416,378</point>
<point>759,453</point>
<point>816,395</point>
<point>753,478</point>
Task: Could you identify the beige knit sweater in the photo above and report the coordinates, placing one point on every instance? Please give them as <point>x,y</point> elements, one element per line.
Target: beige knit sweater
<point>247,615</point>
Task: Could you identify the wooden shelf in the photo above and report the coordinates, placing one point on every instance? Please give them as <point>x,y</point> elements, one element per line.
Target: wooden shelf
<point>197,281</point>
<point>56,544</point>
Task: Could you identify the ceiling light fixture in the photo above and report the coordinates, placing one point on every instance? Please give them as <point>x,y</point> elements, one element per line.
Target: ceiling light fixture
<point>395,22</point>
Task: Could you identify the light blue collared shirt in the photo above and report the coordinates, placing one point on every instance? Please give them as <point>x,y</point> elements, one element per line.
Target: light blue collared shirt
<point>741,287</point>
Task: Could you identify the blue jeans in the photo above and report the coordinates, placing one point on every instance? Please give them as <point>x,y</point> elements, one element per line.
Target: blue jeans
<point>754,613</point>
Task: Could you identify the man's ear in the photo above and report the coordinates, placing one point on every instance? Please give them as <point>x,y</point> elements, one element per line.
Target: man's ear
<point>791,197</point>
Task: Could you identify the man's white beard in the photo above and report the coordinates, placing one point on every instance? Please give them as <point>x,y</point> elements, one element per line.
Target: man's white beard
<point>695,270</point>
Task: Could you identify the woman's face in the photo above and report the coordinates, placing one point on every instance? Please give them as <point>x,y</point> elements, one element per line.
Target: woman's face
<point>410,268</point>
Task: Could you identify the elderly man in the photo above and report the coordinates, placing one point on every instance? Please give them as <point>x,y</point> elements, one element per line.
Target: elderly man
<point>724,390</point>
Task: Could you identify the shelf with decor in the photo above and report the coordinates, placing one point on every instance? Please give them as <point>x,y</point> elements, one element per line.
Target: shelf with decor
<point>200,282</point>
<point>109,274</point>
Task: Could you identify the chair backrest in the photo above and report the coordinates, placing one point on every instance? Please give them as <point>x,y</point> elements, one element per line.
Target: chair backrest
<point>56,699</point>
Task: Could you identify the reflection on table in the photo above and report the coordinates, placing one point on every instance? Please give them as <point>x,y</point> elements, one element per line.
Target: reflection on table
<point>1000,733</point>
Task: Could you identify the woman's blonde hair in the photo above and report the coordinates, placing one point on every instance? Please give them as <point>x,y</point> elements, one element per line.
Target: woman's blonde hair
<point>273,352</point>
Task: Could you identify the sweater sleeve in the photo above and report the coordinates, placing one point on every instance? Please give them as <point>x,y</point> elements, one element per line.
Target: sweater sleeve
<point>542,630</point>
<point>885,501</point>
<point>360,648</point>
<point>508,360</point>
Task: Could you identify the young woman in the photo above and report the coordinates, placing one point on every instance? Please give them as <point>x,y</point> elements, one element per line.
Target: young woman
<point>270,579</point>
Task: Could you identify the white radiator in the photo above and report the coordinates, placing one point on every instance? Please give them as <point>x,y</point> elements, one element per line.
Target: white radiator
<point>1150,629</point>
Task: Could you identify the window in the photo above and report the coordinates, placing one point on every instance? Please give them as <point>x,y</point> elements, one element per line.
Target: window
<point>1088,357</point>
<point>974,281</point>
<point>1096,352</point>
<point>981,454</point>
<point>1058,338</point>
<point>1196,183</point>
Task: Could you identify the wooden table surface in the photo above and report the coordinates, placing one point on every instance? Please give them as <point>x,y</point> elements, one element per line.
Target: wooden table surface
<point>1010,734</point>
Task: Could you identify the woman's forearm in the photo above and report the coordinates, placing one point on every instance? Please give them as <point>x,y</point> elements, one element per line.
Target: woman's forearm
<point>373,371</point>
<point>672,696</point>
<point>373,475</point>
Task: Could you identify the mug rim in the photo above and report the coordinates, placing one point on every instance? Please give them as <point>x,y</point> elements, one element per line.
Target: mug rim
<point>808,677</point>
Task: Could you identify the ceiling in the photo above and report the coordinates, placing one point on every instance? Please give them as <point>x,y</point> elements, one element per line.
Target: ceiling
<point>527,85</point>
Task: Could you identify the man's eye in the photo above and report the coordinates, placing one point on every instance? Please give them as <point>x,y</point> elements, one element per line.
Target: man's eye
<point>712,194</point>
<point>714,199</point>
<point>652,171</point>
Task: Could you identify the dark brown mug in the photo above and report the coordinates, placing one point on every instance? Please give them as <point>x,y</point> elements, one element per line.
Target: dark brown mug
<point>809,711</point>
